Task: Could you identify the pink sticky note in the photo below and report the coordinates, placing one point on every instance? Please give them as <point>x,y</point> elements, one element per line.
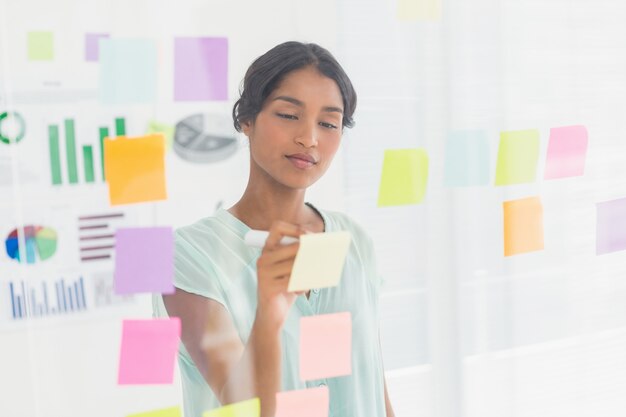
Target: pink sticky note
<point>148,352</point>
<point>92,48</point>
<point>200,69</point>
<point>325,346</point>
<point>144,260</point>
<point>312,402</point>
<point>567,150</point>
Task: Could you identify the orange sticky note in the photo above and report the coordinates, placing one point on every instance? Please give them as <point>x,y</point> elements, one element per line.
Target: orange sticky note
<point>523,226</point>
<point>135,168</point>
<point>312,402</point>
<point>325,346</point>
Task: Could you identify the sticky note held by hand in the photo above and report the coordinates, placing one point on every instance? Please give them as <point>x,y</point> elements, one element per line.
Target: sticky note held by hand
<point>135,168</point>
<point>249,408</point>
<point>319,261</point>
<point>148,351</point>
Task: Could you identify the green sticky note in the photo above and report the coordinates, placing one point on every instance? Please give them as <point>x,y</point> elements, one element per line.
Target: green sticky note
<point>517,157</point>
<point>164,128</point>
<point>249,408</point>
<point>40,46</point>
<point>404,177</point>
<point>165,412</point>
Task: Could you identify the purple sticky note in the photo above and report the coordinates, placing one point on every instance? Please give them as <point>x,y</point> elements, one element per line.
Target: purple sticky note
<point>611,226</point>
<point>144,260</point>
<point>200,69</point>
<point>567,151</point>
<point>92,50</point>
<point>148,352</point>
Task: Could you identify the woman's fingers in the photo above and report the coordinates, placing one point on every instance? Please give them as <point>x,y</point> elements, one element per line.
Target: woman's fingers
<point>278,231</point>
<point>281,253</point>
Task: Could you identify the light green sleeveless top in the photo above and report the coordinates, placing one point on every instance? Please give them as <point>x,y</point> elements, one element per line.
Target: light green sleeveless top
<point>212,260</point>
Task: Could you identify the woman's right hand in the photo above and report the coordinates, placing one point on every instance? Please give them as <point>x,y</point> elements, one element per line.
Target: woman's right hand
<point>273,271</point>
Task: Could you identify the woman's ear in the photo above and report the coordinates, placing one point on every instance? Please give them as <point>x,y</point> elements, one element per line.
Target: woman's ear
<point>246,127</point>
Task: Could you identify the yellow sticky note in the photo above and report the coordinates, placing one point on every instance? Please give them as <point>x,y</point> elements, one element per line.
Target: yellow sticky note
<point>40,46</point>
<point>249,408</point>
<point>319,261</point>
<point>410,10</point>
<point>165,412</point>
<point>404,177</point>
<point>135,168</point>
<point>523,226</point>
<point>518,154</point>
<point>164,128</point>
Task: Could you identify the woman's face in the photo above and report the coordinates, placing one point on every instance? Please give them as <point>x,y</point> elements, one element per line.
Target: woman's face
<point>297,133</point>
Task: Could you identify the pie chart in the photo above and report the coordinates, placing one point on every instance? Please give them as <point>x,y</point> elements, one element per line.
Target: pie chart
<point>40,243</point>
<point>205,138</point>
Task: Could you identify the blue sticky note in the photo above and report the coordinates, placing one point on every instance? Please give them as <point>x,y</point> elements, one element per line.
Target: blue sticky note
<point>127,71</point>
<point>467,159</point>
<point>144,260</point>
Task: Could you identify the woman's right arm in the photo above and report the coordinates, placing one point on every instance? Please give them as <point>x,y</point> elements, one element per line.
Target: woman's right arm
<point>235,371</point>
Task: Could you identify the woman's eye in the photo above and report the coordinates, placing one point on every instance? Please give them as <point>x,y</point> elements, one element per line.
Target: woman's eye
<point>287,116</point>
<point>328,125</point>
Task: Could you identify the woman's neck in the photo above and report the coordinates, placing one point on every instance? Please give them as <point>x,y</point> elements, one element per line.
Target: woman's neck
<point>261,205</point>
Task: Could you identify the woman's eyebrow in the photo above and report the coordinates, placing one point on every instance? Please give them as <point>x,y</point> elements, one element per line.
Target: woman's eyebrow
<point>299,103</point>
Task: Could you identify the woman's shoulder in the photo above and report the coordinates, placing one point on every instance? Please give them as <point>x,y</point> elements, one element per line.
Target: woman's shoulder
<point>206,235</point>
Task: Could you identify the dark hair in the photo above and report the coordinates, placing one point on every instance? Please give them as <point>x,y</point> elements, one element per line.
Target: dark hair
<point>268,70</point>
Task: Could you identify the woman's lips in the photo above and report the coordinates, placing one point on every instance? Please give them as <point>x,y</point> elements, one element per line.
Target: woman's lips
<point>300,163</point>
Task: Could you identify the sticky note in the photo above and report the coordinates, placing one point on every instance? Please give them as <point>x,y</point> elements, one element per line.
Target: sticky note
<point>319,261</point>
<point>144,260</point>
<point>523,226</point>
<point>312,402</point>
<point>518,154</point>
<point>411,10</point>
<point>611,226</point>
<point>165,412</point>
<point>135,168</point>
<point>92,48</point>
<point>166,129</point>
<point>567,151</point>
<point>127,71</point>
<point>148,351</point>
<point>404,177</point>
<point>249,408</point>
<point>467,159</point>
<point>200,69</point>
<point>325,346</point>
<point>40,46</point>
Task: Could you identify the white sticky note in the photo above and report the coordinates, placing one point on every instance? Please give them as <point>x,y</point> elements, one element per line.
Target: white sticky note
<point>319,262</point>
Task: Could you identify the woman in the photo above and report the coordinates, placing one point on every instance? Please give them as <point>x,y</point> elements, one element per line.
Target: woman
<point>239,324</point>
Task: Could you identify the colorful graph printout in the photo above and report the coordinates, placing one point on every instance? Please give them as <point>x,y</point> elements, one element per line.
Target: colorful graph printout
<point>40,243</point>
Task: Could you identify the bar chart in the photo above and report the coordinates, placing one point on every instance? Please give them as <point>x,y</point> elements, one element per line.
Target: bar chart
<point>40,300</point>
<point>71,171</point>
